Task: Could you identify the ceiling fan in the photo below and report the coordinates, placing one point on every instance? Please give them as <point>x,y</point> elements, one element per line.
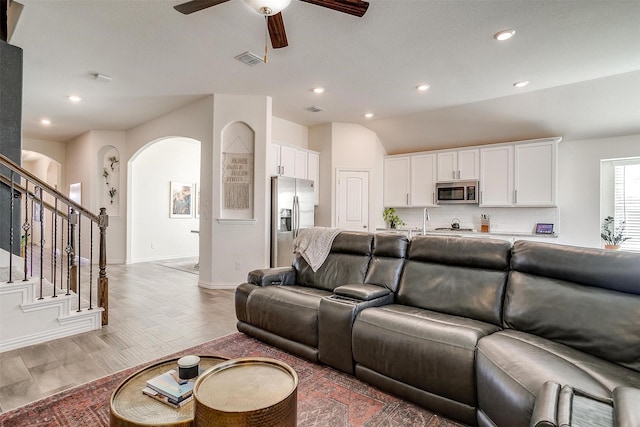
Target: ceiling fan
<point>271,9</point>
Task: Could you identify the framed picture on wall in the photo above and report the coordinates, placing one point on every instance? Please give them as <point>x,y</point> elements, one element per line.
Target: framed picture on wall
<point>181,201</point>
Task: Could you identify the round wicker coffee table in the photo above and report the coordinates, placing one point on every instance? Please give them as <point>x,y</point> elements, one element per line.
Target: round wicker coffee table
<point>129,407</point>
<point>250,391</point>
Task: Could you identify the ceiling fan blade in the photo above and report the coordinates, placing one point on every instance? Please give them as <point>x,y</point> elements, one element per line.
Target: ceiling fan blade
<point>275,24</point>
<point>352,7</point>
<point>196,5</point>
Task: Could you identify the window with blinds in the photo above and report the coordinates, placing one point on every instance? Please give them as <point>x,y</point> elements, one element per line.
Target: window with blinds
<point>627,201</point>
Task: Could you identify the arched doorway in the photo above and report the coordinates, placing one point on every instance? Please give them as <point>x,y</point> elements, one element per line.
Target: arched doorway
<point>161,174</point>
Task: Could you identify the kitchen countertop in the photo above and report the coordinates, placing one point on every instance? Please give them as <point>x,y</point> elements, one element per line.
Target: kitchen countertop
<point>418,231</point>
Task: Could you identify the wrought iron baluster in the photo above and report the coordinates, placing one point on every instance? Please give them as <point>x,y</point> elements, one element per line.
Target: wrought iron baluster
<point>42,241</point>
<point>30,217</point>
<point>62,252</point>
<point>69,250</point>
<point>91,265</point>
<point>79,287</point>
<point>24,239</point>
<point>12,195</point>
<point>54,247</point>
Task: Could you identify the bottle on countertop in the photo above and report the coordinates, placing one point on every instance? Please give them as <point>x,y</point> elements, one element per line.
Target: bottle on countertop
<point>485,223</point>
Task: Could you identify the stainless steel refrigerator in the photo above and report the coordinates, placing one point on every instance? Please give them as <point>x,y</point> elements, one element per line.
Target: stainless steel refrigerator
<point>292,210</point>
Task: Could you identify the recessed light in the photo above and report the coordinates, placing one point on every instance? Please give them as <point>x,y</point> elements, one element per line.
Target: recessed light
<point>45,122</point>
<point>423,87</point>
<point>368,115</point>
<point>504,35</point>
<point>74,98</point>
<point>523,83</point>
<point>318,90</point>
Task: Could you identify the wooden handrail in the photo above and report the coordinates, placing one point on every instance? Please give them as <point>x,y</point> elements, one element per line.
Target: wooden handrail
<point>17,169</point>
<point>21,189</point>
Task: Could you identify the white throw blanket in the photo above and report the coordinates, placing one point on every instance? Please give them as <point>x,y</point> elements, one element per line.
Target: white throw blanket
<point>314,244</point>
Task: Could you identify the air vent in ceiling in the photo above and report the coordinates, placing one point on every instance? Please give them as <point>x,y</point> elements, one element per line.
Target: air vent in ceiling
<point>314,109</point>
<point>249,58</point>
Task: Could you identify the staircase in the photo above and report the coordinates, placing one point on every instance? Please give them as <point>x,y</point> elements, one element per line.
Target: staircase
<point>57,296</point>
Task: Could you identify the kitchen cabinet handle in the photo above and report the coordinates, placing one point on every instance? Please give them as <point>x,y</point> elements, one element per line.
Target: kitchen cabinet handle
<point>453,174</point>
<point>407,199</point>
<point>515,196</point>
<point>481,196</point>
<point>433,197</point>
<point>458,174</point>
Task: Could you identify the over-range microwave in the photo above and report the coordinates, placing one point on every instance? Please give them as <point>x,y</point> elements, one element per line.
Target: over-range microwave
<point>457,192</point>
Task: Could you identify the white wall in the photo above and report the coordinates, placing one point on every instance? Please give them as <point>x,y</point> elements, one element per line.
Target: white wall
<point>53,149</point>
<point>154,234</point>
<point>320,140</point>
<point>239,246</point>
<point>579,185</point>
<point>346,146</point>
<point>289,133</point>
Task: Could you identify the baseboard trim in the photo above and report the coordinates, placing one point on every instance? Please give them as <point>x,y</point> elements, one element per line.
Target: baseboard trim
<point>209,285</point>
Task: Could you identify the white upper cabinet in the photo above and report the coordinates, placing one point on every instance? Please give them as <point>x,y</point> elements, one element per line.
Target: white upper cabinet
<point>300,165</point>
<point>423,180</point>
<point>459,165</point>
<point>410,180</point>
<point>396,181</point>
<point>296,163</point>
<point>536,173</point>
<point>496,178</point>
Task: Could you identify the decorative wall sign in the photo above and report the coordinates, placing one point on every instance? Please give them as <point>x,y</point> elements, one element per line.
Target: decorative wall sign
<point>238,179</point>
<point>181,202</point>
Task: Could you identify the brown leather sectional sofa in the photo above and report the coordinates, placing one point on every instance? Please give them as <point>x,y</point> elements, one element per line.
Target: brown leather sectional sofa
<point>475,329</point>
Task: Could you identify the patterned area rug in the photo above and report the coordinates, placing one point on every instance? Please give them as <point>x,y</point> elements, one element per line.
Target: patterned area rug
<point>326,397</point>
<point>188,265</point>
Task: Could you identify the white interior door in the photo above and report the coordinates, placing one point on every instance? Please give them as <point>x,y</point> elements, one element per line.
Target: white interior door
<point>353,200</point>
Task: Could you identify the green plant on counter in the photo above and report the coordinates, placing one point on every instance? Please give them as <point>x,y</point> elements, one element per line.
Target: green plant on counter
<point>611,234</point>
<point>391,217</point>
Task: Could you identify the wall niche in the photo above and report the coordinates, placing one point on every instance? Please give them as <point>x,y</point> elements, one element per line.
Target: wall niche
<point>237,180</point>
<point>110,180</point>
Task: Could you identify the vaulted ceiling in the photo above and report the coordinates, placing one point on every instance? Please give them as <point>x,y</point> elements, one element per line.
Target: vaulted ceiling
<point>582,59</point>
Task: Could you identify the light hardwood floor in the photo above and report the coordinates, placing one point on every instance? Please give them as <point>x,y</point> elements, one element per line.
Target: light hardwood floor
<point>153,311</point>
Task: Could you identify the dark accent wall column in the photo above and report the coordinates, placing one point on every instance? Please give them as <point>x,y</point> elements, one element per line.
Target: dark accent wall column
<point>10,135</point>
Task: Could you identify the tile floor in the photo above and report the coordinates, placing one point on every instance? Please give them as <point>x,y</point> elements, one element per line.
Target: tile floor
<point>153,311</point>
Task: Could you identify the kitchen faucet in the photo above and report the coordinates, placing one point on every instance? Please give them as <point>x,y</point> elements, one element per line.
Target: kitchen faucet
<point>425,218</point>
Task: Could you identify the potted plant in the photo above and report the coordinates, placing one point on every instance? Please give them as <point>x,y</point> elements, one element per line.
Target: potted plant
<point>391,217</point>
<point>611,234</point>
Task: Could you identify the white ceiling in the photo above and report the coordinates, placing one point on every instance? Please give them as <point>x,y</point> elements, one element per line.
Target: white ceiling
<point>582,58</point>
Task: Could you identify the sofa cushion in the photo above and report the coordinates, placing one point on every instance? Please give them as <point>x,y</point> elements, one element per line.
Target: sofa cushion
<point>458,276</point>
<point>431,351</point>
<point>592,314</point>
<point>287,311</point>
<point>389,253</point>
<point>346,263</point>
<point>614,270</point>
<point>512,366</point>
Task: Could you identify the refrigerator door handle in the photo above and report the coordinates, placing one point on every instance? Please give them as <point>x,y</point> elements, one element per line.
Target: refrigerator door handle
<point>295,217</point>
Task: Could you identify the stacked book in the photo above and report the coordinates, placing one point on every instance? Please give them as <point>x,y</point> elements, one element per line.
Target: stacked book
<point>170,389</point>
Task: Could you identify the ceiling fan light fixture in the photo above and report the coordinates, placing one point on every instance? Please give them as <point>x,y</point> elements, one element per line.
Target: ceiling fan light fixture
<point>504,35</point>
<point>267,7</point>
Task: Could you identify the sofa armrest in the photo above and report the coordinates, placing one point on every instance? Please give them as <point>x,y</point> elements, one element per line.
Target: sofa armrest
<point>626,407</point>
<point>272,276</point>
<point>561,406</point>
<point>362,292</point>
